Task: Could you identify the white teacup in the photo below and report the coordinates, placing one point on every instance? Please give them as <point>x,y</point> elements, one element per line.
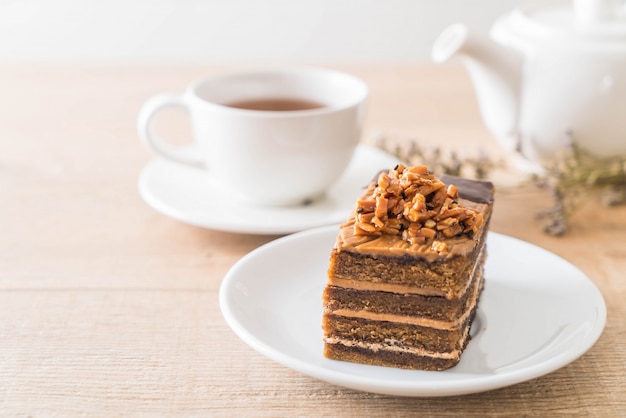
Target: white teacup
<point>287,155</point>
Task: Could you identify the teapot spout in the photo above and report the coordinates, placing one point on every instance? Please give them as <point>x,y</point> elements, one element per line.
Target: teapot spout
<point>495,72</point>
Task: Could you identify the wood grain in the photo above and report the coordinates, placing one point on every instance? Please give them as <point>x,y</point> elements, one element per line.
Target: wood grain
<point>108,308</point>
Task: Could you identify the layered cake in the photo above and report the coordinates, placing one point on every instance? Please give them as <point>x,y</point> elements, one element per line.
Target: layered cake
<point>406,271</point>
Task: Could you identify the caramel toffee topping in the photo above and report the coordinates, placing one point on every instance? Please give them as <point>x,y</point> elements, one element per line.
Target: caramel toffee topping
<point>412,203</point>
<point>408,210</point>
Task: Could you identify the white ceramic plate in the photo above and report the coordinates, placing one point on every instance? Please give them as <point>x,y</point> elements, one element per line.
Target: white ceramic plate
<point>536,314</point>
<point>188,195</point>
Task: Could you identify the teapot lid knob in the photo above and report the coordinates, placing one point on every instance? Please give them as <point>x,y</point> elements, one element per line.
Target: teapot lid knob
<point>589,11</point>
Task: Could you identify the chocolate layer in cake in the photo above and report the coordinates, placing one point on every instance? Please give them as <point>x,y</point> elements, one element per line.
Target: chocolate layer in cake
<point>403,283</point>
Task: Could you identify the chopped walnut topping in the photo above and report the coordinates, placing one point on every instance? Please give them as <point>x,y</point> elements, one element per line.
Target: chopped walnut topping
<point>413,203</point>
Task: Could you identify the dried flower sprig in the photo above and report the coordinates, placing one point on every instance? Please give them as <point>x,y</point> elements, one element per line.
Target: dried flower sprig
<point>572,176</point>
<point>440,161</point>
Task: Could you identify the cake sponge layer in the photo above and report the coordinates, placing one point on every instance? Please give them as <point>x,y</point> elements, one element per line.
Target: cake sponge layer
<point>446,279</point>
<point>397,359</point>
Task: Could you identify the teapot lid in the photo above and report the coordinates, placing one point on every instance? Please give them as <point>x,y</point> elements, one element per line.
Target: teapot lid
<point>566,21</point>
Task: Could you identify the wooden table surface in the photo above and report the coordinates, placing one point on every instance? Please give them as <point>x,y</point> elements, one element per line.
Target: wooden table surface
<point>109,308</point>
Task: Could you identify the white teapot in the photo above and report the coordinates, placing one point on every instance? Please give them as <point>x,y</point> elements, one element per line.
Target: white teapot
<point>549,72</point>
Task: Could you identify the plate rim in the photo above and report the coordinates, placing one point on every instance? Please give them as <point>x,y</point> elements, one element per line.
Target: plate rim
<point>223,225</point>
<point>420,387</point>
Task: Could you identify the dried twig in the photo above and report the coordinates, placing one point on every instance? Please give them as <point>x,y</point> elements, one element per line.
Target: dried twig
<point>439,161</point>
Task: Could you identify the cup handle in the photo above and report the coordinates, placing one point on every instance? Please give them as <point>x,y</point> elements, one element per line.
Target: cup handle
<point>146,132</point>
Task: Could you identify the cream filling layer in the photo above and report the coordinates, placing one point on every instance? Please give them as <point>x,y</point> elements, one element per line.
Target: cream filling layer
<point>391,346</point>
<point>384,287</point>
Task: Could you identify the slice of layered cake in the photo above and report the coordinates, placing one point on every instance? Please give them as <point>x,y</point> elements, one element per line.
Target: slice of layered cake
<point>406,271</point>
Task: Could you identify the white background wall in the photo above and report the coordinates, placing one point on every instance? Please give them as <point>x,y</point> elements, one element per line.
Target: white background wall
<point>233,30</point>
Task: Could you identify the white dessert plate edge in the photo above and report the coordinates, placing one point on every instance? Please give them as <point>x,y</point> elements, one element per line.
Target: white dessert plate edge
<point>271,299</point>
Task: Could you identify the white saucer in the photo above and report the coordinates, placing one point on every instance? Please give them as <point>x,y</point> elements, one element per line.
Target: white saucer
<point>536,314</point>
<point>186,194</point>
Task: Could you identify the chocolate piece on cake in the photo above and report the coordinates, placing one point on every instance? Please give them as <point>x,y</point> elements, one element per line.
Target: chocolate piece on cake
<point>406,271</point>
